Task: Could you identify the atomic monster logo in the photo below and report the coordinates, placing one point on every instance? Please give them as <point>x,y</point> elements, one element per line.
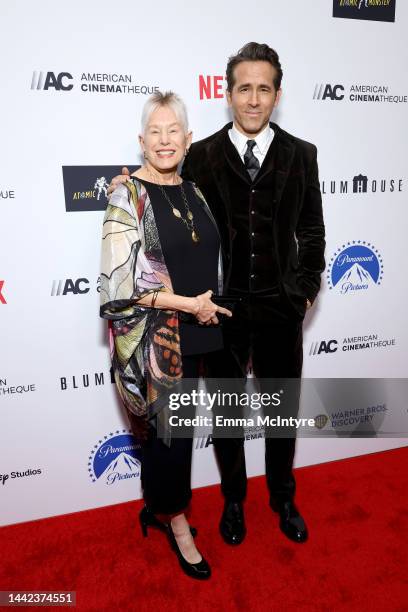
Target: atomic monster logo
<point>375,10</point>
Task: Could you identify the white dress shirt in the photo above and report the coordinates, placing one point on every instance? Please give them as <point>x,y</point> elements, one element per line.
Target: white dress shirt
<point>263,142</point>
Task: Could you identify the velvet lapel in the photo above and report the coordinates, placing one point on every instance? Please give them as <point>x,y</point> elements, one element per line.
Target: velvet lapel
<point>280,163</point>
<point>218,164</point>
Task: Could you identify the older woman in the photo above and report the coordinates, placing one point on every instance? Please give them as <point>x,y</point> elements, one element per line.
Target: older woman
<point>161,257</point>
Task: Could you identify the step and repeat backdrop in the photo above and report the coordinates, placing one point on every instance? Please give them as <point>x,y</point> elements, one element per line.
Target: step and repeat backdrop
<point>74,78</point>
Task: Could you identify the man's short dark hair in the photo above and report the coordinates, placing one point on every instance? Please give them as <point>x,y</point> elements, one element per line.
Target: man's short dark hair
<point>254,52</point>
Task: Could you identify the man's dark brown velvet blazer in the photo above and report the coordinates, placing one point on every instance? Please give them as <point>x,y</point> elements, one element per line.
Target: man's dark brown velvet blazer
<point>295,204</point>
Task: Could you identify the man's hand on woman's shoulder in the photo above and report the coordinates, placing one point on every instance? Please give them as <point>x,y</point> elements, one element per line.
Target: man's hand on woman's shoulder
<point>117,180</point>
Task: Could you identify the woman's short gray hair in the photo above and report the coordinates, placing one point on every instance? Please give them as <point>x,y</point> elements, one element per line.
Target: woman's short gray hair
<point>168,98</point>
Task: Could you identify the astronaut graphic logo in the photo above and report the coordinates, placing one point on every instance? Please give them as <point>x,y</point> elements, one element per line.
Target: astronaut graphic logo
<point>357,266</point>
<point>115,458</point>
<point>101,185</point>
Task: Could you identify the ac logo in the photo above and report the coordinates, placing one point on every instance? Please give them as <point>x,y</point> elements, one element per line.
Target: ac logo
<point>325,91</point>
<point>48,80</point>
<point>329,346</point>
<point>61,287</point>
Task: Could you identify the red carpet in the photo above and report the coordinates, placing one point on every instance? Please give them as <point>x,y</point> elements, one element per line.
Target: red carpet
<point>356,558</point>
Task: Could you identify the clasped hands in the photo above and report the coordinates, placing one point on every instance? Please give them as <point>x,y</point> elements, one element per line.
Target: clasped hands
<point>206,311</point>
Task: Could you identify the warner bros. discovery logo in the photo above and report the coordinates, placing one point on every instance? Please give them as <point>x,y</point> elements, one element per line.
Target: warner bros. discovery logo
<point>355,266</point>
<point>115,458</point>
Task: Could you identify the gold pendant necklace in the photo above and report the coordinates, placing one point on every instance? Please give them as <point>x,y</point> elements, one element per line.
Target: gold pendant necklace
<point>189,220</point>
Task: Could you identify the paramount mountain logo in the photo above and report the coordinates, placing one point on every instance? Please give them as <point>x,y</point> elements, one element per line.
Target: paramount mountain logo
<point>356,266</point>
<point>115,458</point>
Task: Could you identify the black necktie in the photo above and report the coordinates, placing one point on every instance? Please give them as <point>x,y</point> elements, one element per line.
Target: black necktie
<point>251,162</point>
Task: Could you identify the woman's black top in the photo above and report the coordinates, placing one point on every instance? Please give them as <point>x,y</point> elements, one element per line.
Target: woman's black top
<point>193,267</point>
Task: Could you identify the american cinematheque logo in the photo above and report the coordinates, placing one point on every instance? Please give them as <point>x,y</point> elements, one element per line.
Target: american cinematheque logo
<point>349,344</point>
<point>357,92</point>
<point>86,187</point>
<point>372,10</point>
<point>90,82</point>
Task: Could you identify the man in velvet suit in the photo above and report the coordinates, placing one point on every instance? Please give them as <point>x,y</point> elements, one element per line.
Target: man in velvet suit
<point>262,186</point>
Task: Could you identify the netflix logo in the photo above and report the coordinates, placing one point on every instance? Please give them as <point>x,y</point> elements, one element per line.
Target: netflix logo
<point>211,87</point>
<point>2,298</point>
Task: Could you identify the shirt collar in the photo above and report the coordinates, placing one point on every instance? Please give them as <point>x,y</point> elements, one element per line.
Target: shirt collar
<point>263,140</point>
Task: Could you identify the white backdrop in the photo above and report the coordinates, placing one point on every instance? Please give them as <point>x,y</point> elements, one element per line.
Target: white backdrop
<point>50,435</point>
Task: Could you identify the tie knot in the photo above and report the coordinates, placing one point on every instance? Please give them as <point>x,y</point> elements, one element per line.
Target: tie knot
<point>251,144</point>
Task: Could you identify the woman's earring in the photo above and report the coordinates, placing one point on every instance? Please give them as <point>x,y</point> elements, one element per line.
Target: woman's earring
<point>144,154</point>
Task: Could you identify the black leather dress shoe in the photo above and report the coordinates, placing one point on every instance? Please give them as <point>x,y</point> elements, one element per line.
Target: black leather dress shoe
<point>291,522</point>
<point>232,525</point>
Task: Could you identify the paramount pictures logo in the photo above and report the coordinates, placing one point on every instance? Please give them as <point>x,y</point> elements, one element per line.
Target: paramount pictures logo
<point>86,187</point>
<point>116,457</point>
<point>356,266</point>
<point>371,10</point>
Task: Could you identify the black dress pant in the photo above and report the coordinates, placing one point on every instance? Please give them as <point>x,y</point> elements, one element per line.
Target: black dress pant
<point>166,470</point>
<point>267,333</point>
